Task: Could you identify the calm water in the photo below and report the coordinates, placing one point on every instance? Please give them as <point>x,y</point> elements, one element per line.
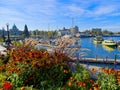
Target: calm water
<point>100,50</point>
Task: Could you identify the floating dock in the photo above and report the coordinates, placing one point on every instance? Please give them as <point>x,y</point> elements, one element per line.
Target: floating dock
<point>100,60</point>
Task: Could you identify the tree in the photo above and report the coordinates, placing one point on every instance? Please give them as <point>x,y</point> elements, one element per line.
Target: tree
<point>106,32</point>
<point>26,32</point>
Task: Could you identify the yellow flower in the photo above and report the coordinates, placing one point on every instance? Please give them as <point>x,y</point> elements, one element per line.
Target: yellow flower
<point>22,88</point>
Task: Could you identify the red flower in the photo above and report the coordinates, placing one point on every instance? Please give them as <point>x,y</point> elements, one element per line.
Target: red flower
<point>7,86</point>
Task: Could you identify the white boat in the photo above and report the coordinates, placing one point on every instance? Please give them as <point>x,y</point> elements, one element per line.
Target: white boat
<point>110,42</point>
<point>118,44</point>
<point>98,39</point>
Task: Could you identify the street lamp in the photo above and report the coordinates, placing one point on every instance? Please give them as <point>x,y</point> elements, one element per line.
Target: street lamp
<point>8,40</point>
<point>3,34</point>
<point>8,30</point>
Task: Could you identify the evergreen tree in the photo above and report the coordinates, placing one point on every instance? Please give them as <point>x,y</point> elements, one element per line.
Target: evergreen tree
<point>26,32</point>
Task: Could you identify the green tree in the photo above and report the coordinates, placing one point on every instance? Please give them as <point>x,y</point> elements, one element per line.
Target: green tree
<point>96,31</point>
<point>26,32</point>
<point>106,32</point>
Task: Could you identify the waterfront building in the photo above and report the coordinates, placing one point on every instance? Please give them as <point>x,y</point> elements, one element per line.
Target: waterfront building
<point>15,31</point>
<point>1,32</point>
<point>64,31</point>
<point>71,31</point>
<point>74,30</point>
<point>85,34</point>
<point>96,31</point>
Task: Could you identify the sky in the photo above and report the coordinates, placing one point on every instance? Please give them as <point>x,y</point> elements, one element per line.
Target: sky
<point>56,14</point>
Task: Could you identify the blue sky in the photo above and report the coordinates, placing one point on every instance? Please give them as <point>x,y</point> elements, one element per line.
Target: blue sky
<point>53,14</point>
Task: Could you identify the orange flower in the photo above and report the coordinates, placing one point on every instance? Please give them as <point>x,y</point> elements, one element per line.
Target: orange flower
<point>69,84</point>
<point>96,86</point>
<point>65,71</point>
<point>111,70</point>
<point>90,89</point>
<point>83,84</point>
<point>71,78</point>
<point>118,77</point>
<point>94,70</point>
<point>22,88</point>
<point>91,80</point>
<point>118,72</point>
<point>79,83</point>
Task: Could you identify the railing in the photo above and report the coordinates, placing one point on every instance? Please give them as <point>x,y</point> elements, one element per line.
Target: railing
<point>115,63</point>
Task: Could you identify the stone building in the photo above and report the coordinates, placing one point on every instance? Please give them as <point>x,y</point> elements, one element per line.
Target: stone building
<point>15,31</point>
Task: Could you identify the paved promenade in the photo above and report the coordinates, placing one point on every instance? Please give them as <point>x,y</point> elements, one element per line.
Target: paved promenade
<point>2,49</point>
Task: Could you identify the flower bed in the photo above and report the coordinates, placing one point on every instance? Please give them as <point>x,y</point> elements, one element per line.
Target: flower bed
<point>28,69</point>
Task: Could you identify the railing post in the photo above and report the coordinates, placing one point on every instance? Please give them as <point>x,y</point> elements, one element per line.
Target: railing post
<point>106,59</point>
<point>96,57</point>
<point>115,59</point>
<point>115,63</point>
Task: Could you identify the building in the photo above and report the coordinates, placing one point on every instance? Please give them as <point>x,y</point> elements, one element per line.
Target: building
<point>74,30</point>
<point>64,31</point>
<point>15,31</point>
<point>71,31</point>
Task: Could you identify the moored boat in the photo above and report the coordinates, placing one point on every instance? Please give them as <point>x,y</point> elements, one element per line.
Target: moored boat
<point>108,48</point>
<point>110,42</point>
<point>118,44</point>
<point>98,39</point>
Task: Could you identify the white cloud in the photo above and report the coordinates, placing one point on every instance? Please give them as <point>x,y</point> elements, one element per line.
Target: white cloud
<point>103,10</point>
<point>57,11</point>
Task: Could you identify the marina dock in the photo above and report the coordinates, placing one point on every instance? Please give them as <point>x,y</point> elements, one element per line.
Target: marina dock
<point>100,60</point>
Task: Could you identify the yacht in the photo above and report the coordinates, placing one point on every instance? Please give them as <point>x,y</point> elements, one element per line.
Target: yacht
<point>110,42</point>
<point>98,39</point>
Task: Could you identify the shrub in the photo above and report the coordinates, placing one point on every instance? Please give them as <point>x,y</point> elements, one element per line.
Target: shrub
<point>39,68</point>
<point>107,79</point>
<point>80,79</point>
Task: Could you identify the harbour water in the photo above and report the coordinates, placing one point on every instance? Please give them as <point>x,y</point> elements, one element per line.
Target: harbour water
<point>99,50</point>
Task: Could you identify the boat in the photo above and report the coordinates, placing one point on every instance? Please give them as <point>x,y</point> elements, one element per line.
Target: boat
<point>108,48</point>
<point>118,44</point>
<point>98,39</point>
<point>110,42</point>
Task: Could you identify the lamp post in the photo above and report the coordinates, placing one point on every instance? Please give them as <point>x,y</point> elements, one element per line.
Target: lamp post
<point>8,30</point>
<point>8,39</point>
<point>3,34</point>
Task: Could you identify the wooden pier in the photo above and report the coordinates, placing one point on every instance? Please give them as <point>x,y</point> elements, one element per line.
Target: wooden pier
<point>100,60</point>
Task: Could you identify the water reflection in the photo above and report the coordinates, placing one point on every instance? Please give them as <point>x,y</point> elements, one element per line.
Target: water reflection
<point>97,45</point>
<point>109,48</point>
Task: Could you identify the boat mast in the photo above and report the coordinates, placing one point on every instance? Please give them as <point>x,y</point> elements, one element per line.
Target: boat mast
<point>72,22</point>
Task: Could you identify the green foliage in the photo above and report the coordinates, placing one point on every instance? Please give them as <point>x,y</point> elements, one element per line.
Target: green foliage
<point>28,68</point>
<point>26,32</point>
<point>1,39</point>
<point>16,43</point>
<point>80,79</point>
<point>81,73</point>
<point>107,81</point>
<point>2,77</point>
<point>43,79</point>
<point>4,59</point>
<point>39,68</point>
